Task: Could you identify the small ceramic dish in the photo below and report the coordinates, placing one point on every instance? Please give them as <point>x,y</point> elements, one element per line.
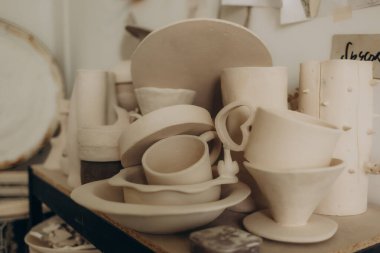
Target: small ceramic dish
<point>137,191</point>
<point>155,219</point>
<point>159,124</point>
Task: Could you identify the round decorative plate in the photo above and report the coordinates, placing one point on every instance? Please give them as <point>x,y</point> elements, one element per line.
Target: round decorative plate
<point>30,89</point>
<point>191,54</point>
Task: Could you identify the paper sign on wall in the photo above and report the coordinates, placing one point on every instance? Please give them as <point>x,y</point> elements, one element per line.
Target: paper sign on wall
<point>364,47</point>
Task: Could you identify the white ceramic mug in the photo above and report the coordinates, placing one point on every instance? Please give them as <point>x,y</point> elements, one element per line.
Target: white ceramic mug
<point>181,159</point>
<point>280,139</point>
<point>258,86</point>
<point>153,98</point>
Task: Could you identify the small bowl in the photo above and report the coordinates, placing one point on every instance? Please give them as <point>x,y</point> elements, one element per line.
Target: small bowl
<point>137,191</point>
<point>155,219</point>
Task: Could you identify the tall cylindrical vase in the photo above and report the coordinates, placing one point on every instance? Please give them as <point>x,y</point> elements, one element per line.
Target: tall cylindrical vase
<point>340,92</point>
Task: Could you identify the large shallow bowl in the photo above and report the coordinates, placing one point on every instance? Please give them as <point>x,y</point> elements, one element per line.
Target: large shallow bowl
<point>136,190</point>
<point>155,219</point>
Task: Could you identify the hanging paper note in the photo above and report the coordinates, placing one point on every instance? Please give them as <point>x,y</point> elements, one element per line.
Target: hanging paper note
<point>363,47</point>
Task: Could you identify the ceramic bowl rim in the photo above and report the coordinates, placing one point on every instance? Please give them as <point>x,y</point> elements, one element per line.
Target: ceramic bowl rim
<point>339,164</point>
<point>300,119</point>
<point>120,180</point>
<point>84,195</point>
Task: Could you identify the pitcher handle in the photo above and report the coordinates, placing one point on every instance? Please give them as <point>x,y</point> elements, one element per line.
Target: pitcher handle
<point>216,148</point>
<point>221,126</point>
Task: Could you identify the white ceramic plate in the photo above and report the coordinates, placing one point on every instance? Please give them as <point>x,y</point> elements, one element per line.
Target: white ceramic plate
<point>31,86</point>
<point>160,124</point>
<point>191,55</point>
<point>156,219</point>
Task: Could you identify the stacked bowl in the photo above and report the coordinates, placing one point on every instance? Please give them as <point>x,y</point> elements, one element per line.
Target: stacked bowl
<point>168,184</point>
<point>289,154</point>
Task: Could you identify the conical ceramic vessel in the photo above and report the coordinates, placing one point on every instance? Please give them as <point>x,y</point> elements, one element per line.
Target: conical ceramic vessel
<point>293,195</point>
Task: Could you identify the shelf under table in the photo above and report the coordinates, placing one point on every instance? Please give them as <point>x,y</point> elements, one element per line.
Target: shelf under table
<point>355,233</point>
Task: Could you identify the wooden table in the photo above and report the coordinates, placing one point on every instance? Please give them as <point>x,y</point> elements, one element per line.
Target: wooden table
<point>359,233</point>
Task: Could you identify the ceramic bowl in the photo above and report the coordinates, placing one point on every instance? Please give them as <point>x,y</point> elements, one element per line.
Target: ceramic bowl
<point>137,191</point>
<point>151,98</point>
<point>155,219</point>
<point>162,123</point>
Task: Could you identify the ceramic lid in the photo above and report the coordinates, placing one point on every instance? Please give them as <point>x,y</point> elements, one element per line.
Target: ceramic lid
<point>191,54</point>
<point>160,124</point>
<point>31,87</point>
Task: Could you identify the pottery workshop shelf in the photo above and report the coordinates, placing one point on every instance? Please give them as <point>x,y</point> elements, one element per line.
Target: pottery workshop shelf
<point>359,233</point>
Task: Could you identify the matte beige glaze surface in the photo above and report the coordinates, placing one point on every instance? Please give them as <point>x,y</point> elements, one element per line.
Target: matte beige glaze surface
<point>124,88</point>
<point>192,59</point>
<point>340,92</point>
<point>160,124</point>
<point>281,139</point>
<point>136,190</point>
<point>181,159</point>
<point>151,98</point>
<point>155,219</point>
<point>91,97</point>
<point>317,229</point>
<point>258,86</point>
<point>294,194</point>
<point>101,143</point>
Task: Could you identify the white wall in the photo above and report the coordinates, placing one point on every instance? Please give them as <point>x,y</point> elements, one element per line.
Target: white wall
<point>292,44</point>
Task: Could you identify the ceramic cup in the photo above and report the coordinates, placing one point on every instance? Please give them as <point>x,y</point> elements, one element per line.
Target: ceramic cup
<point>258,86</point>
<point>181,159</point>
<point>280,139</point>
<point>152,98</point>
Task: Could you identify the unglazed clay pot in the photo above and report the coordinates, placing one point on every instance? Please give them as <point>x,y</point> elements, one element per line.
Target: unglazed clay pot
<point>91,97</point>
<point>293,195</point>
<point>152,98</point>
<point>281,139</point>
<point>136,190</point>
<point>124,87</point>
<point>162,123</point>
<point>258,86</point>
<point>181,159</point>
<point>155,219</point>
<point>341,93</point>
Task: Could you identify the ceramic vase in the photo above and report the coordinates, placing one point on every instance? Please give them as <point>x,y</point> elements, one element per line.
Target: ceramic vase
<point>88,108</point>
<point>258,86</point>
<point>341,92</point>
